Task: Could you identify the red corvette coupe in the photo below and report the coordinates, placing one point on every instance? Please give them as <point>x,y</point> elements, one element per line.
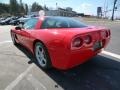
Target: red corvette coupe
<point>60,42</point>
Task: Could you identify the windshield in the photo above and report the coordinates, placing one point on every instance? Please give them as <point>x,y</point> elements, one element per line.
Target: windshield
<point>61,22</point>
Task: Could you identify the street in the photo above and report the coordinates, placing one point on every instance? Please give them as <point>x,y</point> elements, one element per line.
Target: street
<point>18,71</point>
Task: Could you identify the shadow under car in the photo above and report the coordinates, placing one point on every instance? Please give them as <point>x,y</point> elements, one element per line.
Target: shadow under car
<point>99,73</point>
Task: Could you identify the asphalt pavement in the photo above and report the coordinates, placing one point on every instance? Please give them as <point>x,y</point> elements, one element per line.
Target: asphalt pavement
<point>19,72</point>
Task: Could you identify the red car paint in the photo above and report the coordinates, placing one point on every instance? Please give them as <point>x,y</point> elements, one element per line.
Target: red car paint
<point>58,42</point>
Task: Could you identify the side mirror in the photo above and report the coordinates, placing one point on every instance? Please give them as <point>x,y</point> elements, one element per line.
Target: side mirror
<point>18,28</point>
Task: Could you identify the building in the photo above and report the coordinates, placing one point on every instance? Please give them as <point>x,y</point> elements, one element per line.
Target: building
<point>61,12</point>
<point>68,12</point>
<point>99,12</point>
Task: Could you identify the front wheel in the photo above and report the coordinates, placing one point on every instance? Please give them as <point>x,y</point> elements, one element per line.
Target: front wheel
<point>42,56</point>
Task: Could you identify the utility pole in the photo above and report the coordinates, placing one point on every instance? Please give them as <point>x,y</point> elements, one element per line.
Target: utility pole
<point>112,18</point>
<point>105,9</point>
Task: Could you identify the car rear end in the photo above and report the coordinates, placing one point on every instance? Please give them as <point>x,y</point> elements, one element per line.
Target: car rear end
<point>73,42</point>
<point>82,45</point>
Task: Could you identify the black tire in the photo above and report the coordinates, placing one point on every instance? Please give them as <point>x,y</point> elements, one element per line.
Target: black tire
<point>45,54</point>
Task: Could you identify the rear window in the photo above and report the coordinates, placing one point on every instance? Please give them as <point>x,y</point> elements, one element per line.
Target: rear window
<point>61,22</point>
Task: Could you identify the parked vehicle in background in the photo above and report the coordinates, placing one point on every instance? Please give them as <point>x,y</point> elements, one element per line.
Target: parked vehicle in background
<point>2,19</point>
<point>15,21</point>
<point>6,21</point>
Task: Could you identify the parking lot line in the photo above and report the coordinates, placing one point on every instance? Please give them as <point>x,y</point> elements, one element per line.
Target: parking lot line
<point>111,54</point>
<point>19,78</point>
<point>9,41</point>
<point>37,84</point>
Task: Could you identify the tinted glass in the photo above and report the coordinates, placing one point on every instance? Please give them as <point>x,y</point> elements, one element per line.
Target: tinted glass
<point>30,24</point>
<point>61,22</point>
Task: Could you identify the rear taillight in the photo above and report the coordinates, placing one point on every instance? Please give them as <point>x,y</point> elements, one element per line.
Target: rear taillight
<point>88,39</point>
<point>77,42</point>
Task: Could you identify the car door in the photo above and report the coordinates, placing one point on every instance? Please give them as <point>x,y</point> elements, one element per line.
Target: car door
<point>24,34</point>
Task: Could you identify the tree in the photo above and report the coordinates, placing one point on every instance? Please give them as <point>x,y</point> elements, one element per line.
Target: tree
<point>21,8</point>
<point>14,7</point>
<point>4,8</point>
<point>36,7</point>
<point>26,9</point>
<point>46,8</point>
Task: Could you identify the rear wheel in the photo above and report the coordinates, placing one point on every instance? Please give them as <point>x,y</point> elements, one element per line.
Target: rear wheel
<point>42,56</point>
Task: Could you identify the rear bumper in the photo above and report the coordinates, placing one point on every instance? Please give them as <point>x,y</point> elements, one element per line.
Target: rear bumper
<point>79,57</point>
<point>75,58</point>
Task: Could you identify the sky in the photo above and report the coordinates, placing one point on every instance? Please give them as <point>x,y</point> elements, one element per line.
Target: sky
<point>81,6</point>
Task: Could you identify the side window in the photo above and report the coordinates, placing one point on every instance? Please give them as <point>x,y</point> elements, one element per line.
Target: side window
<point>30,24</point>
<point>48,23</point>
<point>61,24</point>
